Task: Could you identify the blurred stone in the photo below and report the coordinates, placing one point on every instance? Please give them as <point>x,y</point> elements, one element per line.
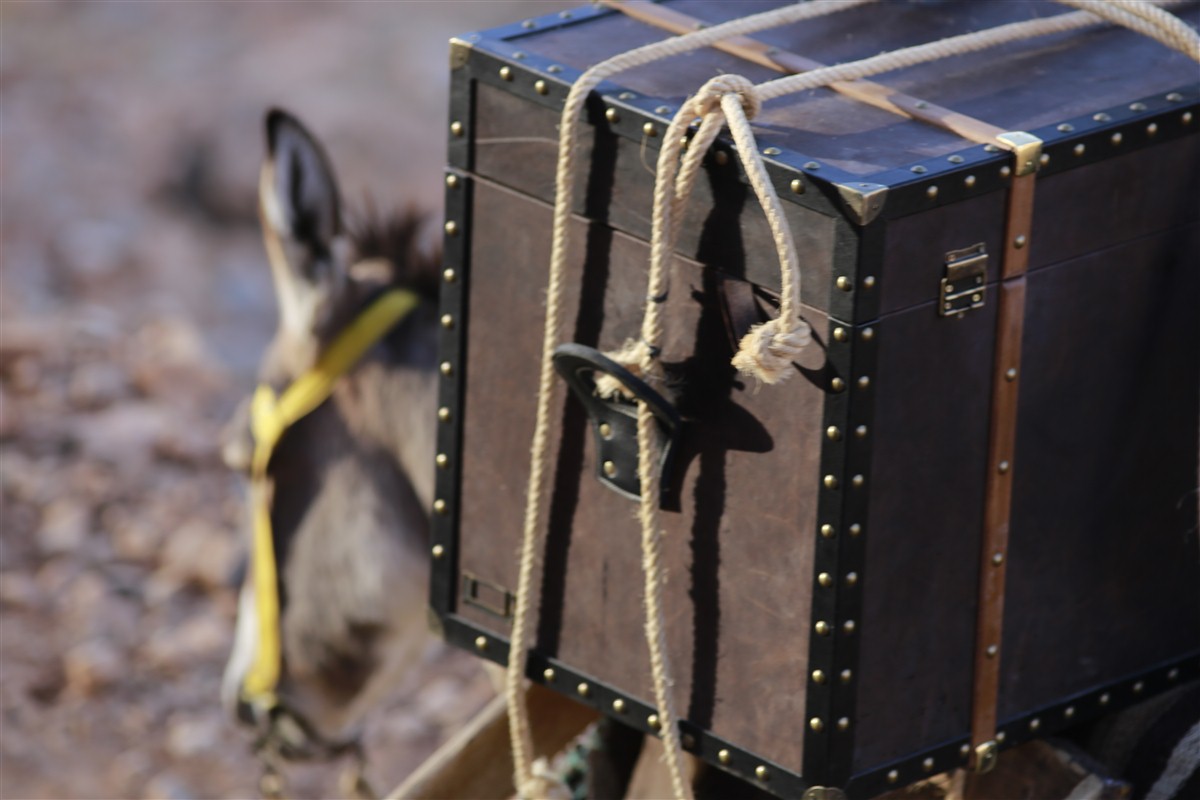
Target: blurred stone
<point>10,416</point>
<point>64,527</point>
<point>200,554</point>
<point>48,683</point>
<point>92,667</point>
<point>93,249</point>
<point>25,374</point>
<point>179,649</point>
<point>19,591</point>
<point>191,446</point>
<point>167,786</point>
<point>132,537</point>
<point>124,434</point>
<point>95,385</point>
<point>190,735</point>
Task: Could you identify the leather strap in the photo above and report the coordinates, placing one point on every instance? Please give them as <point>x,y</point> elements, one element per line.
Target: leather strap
<point>864,91</point>
<point>1010,323</point>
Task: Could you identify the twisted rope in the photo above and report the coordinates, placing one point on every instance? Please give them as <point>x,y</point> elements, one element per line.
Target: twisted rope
<point>767,352</point>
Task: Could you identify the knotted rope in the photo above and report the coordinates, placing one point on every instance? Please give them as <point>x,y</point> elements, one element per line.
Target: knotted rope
<point>767,352</point>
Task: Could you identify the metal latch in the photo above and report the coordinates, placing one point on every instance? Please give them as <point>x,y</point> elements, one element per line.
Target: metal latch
<point>486,596</point>
<point>963,286</point>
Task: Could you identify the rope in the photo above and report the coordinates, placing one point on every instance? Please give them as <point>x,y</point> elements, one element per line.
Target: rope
<point>766,353</point>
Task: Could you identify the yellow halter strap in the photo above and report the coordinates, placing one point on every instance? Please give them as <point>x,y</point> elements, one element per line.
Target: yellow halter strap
<point>269,418</point>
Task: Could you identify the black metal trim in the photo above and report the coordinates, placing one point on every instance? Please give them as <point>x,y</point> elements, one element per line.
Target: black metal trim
<point>452,343</point>
<point>1084,706</point>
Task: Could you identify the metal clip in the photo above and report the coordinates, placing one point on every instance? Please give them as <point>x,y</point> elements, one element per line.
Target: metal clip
<point>963,286</point>
<point>986,756</point>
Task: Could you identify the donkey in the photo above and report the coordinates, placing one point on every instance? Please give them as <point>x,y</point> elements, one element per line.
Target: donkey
<point>351,480</point>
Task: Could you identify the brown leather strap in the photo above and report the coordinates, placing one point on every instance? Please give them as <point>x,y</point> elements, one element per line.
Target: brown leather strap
<point>1010,322</point>
<point>864,91</point>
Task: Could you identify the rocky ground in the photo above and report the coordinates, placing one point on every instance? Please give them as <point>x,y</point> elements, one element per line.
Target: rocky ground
<point>134,302</point>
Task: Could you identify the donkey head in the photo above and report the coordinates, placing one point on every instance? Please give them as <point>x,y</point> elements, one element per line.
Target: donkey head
<point>349,482</point>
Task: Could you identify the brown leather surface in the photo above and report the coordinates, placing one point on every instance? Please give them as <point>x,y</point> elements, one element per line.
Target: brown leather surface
<point>1044,81</point>
<point>517,145</point>
<point>738,549</point>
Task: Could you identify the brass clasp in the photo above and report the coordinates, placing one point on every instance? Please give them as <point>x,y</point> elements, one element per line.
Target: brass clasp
<point>963,285</point>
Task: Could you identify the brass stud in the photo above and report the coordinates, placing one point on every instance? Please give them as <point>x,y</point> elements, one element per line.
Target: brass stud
<point>931,192</point>
<point>830,482</point>
<point>797,186</point>
<point>451,227</point>
<point>771,151</point>
<point>1105,698</point>
<point>612,115</point>
<point>449,275</point>
<point>822,628</point>
<point>843,724</point>
<point>554,69</point>
<point>652,722</point>
<point>618,706</point>
<point>506,73</point>
<point>541,88</point>
<point>893,776</point>
<point>839,334</point>
<point>868,334</point>
<point>837,385</point>
<point>1137,106</point>
<point>1020,241</point>
<point>846,676</point>
<point>1044,159</point>
<point>443,414</point>
<point>1174,97</point>
<point>1173,675</point>
<point>812,165</point>
<point>439,506</point>
<point>855,529</point>
<point>456,128</point>
<point>662,110</point>
<point>833,433</point>
<point>583,690</point>
<point>927,765</point>
<point>448,321</point>
<point>447,368</point>
<point>452,181</point>
<point>955,159</point>
<point>1065,127</point>
<point>857,481</point>
<point>851,578</point>
<point>827,531</point>
<point>442,460</point>
<point>1186,119</point>
<point>1069,712</point>
<point>1010,374</point>
<point>610,469</point>
<point>1152,129</point>
<point>1003,467</point>
<point>1101,117</point>
<point>1000,737</point>
<point>605,430</point>
<point>848,627</point>
<point>1079,149</point>
<point>817,724</point>
<point>627,96</point>
<point>438,551</point>
<point>969,181</point>
<point>869,282</point>
<point>825,579</point>
<point>844,283</point>
<point>997,559</point>
<point>1116,138</point>
<point>991,651</point>
<point>528,24</point>
<point>1035,724</point>
<point>860,432</point>
<point>965,751</point>
<point>481,643</point>
<point>1138,687</point>
<point>723,756</point>
<point>991,148</point>
<point>688,741</point>
<point>761,773</point>
<point>818,676</point>
<point>1005,171</point>
<point>548,675</point>
<point>649,130</point>
<point>864,382</point>
<point>918,170</point>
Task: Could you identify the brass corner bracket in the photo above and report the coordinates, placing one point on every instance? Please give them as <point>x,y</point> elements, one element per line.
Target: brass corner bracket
<point>864,201</point>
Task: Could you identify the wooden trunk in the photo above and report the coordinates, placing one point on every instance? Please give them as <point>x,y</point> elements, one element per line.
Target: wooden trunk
<point>824,538</point>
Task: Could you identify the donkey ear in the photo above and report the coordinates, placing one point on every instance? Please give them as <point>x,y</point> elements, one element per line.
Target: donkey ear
<point>299,192</point>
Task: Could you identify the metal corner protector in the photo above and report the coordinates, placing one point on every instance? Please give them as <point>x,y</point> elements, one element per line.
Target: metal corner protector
<point>864,201</point>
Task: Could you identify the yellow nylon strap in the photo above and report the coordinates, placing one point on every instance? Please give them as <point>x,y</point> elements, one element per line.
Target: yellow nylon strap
<point>269,418</point>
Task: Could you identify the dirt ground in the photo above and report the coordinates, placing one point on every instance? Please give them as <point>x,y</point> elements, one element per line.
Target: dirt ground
<point>134,303</point>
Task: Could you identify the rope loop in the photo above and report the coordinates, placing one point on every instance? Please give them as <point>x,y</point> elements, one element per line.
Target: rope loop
<point>708,99</point>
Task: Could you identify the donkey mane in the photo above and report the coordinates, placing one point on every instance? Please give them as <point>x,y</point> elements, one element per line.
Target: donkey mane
<point>395,238</point>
